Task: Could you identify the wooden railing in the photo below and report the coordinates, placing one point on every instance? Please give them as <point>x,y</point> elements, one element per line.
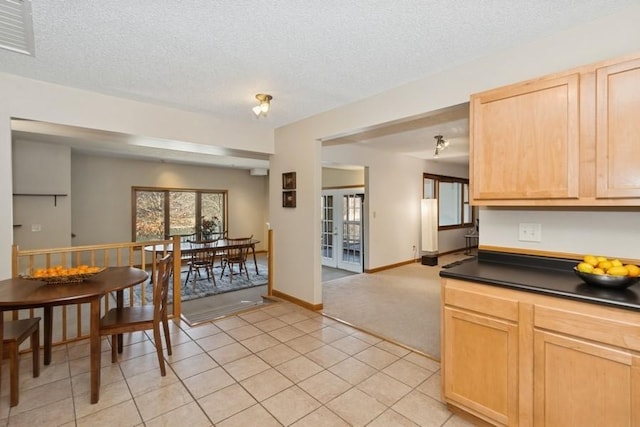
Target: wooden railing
<point>70,322</point>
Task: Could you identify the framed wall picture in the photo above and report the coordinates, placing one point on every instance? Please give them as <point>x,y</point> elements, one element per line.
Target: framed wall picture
<point>288,199</point>
<point>289,181</point>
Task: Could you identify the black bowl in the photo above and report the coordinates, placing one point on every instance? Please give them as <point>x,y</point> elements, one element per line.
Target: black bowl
<point>607,281</point>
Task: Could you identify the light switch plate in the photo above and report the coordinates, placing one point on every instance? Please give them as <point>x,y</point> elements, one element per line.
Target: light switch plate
<point>529,232</point>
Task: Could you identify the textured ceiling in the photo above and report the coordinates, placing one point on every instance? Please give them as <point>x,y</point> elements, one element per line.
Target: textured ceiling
<point>213,56</point>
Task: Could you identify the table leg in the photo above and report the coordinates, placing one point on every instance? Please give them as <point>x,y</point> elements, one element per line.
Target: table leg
<point>48,332</point>
<point>95,349</point>
<point>1,340</point>
<point>120,304</point>
<point>253,249</point>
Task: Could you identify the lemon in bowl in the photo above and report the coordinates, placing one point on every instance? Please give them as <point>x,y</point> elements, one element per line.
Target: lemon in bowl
<point>607,280</point>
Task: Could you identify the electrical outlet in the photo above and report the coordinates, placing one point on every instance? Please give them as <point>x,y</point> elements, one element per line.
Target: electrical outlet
<point>36,227</point>
<point>529,232</point>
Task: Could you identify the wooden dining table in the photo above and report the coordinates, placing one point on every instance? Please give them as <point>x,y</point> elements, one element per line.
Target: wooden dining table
<point>220,245</point>
<point>20,293</point>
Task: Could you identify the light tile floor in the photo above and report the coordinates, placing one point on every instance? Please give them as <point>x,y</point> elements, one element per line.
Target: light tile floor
<point>278,365</point>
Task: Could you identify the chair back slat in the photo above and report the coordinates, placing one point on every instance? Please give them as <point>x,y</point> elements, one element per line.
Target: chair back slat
<point>238,248</point>
<point>161,288</point>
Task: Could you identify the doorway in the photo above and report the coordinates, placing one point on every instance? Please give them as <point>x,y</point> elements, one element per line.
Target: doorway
<point>342,229</point>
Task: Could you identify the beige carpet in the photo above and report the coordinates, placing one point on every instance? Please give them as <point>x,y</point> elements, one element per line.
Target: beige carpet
<point>401,304</point>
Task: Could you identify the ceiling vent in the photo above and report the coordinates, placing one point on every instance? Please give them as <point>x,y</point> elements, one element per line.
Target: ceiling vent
<point>16,26</point>
<point>258,172</point>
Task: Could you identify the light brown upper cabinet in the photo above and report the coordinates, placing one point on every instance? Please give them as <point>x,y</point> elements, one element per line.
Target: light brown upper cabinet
<point>618,130</point>
<point>569,139</point>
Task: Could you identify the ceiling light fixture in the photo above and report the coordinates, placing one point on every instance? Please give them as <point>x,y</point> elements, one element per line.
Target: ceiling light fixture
<point>441,144</point>
<point>264,102</point>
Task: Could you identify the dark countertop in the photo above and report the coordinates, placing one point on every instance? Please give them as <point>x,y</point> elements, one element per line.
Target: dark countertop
<point>548,276</point>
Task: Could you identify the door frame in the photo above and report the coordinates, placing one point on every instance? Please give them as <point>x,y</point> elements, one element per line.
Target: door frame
<point>338,214</point>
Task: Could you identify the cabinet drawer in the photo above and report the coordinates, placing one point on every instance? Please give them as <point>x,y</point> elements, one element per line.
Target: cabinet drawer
<point>621,331</point>
<point>491,305</point>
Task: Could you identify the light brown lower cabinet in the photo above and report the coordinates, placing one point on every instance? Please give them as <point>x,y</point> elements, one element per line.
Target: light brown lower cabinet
<point>581,383</point>
<point>515,358</point>
<point>481,368</point>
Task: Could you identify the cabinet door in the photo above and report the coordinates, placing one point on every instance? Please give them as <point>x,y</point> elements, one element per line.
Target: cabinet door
<point>525,141</point>
<point>580,383</point>
<point>618,130</point>
<point>480,357</point>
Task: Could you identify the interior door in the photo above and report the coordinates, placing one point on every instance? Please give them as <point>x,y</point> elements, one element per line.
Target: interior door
<point>342,229</point>
<point>328,233</point>
<point>350,233</point>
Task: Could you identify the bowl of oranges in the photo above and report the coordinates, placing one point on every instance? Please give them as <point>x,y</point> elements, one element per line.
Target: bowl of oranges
<point>609,273</point>
<point>59,274</point>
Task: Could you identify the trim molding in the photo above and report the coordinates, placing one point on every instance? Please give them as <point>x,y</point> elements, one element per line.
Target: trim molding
<point>411,261</point>
<point>390,266</point>
<point>535,252</point>
<point>550,254</point>
<point>305,304</point>
<point>342,187</point>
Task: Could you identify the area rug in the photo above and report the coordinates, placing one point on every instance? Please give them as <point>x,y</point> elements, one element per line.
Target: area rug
<point>204,288</point>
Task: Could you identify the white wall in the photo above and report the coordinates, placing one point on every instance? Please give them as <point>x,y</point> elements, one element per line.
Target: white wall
<point>101,188</point>
<point>6,191</point>
<point>335,178</point>
<point>45,221</point>
<point>603,38</point>
<point>394,190</point>
<point>296,255</point>
<point>602,231</point>
<point>36,100</point>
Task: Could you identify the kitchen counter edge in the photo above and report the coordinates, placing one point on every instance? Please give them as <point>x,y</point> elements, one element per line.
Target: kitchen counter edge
<point>543,275</point>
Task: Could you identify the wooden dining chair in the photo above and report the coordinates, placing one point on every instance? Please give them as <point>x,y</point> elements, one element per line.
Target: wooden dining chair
<point>186,238</point>
<point>203,255</point>
<point>15,332</point>
<point>140,318</point>
<point>236,254</point>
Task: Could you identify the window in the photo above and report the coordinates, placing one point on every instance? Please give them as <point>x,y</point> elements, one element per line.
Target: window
<point>454,210</point>
<point>159,213</point>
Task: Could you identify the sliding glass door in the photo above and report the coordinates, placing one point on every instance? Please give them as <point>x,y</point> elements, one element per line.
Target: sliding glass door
<point>160,213</point>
